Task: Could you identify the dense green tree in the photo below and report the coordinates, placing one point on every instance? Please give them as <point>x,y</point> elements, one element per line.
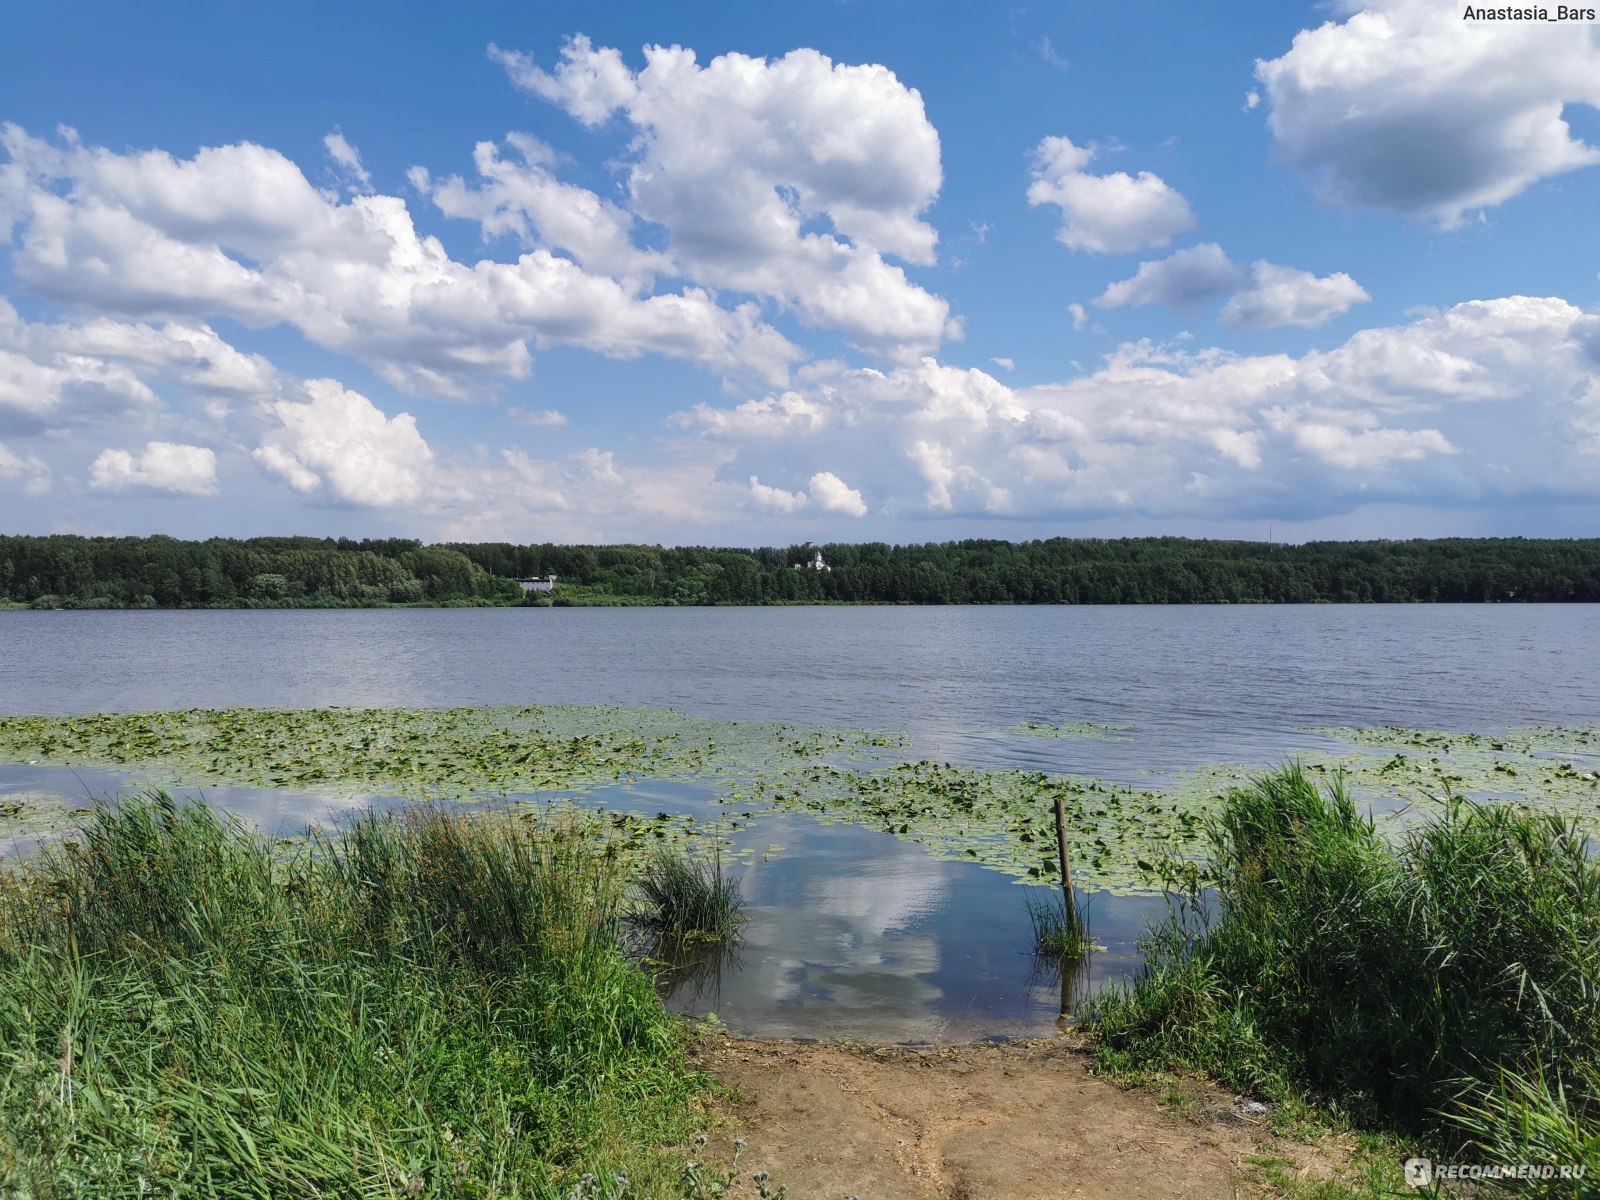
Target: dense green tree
<point>70,571</point>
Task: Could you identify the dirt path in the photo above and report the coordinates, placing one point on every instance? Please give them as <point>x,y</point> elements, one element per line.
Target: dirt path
<point>1024,1121</point>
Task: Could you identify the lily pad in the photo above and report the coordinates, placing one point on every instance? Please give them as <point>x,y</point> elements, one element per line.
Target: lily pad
<point>1121,837</point>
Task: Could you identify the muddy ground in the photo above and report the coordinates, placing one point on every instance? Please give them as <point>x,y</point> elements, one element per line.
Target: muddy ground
<point>1017,1121</point>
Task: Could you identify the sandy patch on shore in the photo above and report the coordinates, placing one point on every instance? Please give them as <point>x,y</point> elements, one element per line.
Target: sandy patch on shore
<point>1018,1121</point>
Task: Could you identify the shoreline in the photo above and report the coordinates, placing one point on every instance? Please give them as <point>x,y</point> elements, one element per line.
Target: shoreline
<point>1024,1120</point>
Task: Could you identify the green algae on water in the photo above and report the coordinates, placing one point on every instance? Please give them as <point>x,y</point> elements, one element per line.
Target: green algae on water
<point>998,818</point>
<point>30,813</point>
<point>1084,730</point>
<point>1544,768</point>
<point>1122,838</point>
<point>426,753</point>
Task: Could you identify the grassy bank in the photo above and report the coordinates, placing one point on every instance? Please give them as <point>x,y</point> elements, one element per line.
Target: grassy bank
<point>426,1005</point>
<point>1445,989</point>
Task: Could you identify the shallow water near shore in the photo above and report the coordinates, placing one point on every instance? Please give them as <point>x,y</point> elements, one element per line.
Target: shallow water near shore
<point>853,931</point>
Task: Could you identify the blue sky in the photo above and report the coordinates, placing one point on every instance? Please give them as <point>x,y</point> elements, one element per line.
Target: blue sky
<point>738,274</point>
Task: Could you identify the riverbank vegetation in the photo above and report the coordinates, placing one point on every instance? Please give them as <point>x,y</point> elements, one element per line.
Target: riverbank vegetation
<point>1445,988</point>
<point>1435,975</point>
<point>67,571</point>
<point>428,1004</point>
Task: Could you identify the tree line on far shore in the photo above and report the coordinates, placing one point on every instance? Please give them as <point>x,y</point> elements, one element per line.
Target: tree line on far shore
<point>67,571</point>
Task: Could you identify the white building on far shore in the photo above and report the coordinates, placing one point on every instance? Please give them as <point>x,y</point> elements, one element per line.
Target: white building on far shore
<point>816,563</point>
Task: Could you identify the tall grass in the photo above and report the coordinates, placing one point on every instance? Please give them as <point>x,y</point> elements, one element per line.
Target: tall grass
<point>425,1004</point>
<point>688,899</point>
<point>1447,987</point>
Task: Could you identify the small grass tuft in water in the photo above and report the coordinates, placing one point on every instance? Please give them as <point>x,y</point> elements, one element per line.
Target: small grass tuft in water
<point>687,899</point>
<point>1059,932</point>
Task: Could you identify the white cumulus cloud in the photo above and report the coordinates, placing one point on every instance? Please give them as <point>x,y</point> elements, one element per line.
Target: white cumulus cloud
<point>777,499</point>
<point>1412,413</point>
<point>28,469</point>
<point>1268,296</point>
<point>522,196</point>
<point>161,467</point>
<point>789,178</point>
<point>590,84</point>
<point>1357,449</point>
<point>1186,280</point>
<point>1279,296</point>
<point>831,494</point>
<point>769,417</point>
<point>347,158</point>
<point>826,492</point>
<point>60,375</point>
<point>1406,106</point>
<point>339,441</point>
<point>1105,214</point>
<point>238,231</point>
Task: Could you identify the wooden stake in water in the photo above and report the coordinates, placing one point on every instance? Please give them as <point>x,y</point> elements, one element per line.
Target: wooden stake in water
<point>1067,896</point>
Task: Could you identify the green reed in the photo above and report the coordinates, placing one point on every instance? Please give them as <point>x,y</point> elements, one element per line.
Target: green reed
<point>689,899</point>
<point>1060,931</point>
<point>1447,987</point>
<point>422,1004</point>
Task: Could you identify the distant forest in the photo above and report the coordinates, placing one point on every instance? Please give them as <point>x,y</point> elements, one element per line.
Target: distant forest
<point>292,572</point>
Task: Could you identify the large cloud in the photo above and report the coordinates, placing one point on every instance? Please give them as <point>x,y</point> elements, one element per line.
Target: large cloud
<point>1406,106</point>
<point>1416,412</point>
<point>1105,214</point>
<point>71,386</point>
<point>72,374</point>
<point>326,442</point>
<point>790,178</point>
<point>238,231</point>
<point>521,196</point>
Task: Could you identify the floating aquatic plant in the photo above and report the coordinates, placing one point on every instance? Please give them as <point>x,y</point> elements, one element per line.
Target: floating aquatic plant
<point>1120,835</point>
<point>25,814</point>
<point>1087,730</point>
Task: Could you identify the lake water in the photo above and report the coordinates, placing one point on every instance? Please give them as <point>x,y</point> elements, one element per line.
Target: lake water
<point>852,932</point>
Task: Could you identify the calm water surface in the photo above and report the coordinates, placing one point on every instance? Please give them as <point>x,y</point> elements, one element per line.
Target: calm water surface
<point>1195,684</point>
<point>853,932</point>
